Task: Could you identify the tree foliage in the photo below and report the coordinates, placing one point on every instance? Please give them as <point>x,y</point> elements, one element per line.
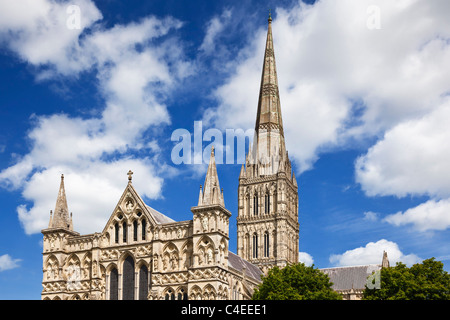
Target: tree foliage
<point>295,282</point>
<point>423,281</point>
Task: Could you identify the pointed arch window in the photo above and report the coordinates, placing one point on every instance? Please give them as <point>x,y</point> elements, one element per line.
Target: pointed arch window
<point>124,232</point>
<point>143,226</point>
<point>255,205</point>
<point>182,295</point>
<point>143,283</point>
<point>170,295</point>
<point>247,205</point>
<point>116,229</point>
<point>247,246</point>
<point>266,244</point>
<point>267,203</point>
<point>255,246</point>
<point>128,279</point>
<point>114,285</point>
<point>135,230</point>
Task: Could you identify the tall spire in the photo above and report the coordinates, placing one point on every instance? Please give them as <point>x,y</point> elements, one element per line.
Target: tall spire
<point>269,108</point>
<point>211,190</point>
<point>269,146</point>
<point>268,191</point>
<point>61,217</point>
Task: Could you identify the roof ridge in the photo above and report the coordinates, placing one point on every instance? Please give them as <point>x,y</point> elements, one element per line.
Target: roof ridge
<point>357,266</point>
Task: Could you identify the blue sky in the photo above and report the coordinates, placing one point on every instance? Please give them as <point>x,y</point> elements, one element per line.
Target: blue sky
<point>365,103</point>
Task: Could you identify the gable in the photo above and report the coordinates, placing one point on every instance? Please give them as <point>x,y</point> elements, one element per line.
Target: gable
<point>131,207</point>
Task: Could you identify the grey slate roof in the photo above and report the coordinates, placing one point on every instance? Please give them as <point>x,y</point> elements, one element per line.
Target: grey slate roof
<point>346,278</point>
<point>159,217</point>
<point>239,264</point>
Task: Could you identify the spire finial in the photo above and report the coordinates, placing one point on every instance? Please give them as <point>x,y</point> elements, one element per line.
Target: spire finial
<point>385,261</point>
<point>270,15</point>
<point>211,189</point>
<point>60,217</point>
<point>130,174</point>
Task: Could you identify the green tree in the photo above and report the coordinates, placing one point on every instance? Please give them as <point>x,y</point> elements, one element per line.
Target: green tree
<point>295,282</point>
<point>423,281</point>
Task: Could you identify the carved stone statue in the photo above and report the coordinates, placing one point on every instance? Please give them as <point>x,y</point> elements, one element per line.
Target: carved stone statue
<point>205,223</point>
<point>209,254</point>
<point>129,206</point>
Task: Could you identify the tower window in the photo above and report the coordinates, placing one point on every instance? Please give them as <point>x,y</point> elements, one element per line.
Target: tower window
<point>267,203</point>
<point>255,205</point>
<point>255,246</point>
<point>266,244</point>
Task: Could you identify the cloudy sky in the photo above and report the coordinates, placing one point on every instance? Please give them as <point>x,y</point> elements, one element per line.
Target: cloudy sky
<point>92,89</point>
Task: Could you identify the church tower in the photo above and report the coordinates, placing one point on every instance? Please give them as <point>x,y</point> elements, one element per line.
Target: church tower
<point>267,222</point>
<point>57,272</point>
<point>210,234</point>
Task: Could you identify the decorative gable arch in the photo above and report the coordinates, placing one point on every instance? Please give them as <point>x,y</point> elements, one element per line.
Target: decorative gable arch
<point>131,207</point>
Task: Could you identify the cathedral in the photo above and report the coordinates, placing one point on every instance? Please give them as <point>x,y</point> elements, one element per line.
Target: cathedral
<point>141,254</point>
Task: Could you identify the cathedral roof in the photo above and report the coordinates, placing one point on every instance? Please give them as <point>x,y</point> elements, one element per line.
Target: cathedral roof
<point>159,217</point>
<point>240,264</point>
<point>346,278</point>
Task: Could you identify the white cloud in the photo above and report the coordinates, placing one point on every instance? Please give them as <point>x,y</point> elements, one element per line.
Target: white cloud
<point>339,80</point>
<point>134,77</point>
<point>214,28</point>
<point>7,263</point>
<point>372,253</point>
<point>37,31</point>
<point>305,258</point>
<point>92,192</point>
<point>371,216</point>
<point>428,216</point>
<point>412,158</point>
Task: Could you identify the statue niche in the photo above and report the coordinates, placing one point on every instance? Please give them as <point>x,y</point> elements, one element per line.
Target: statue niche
<point>170,258</point>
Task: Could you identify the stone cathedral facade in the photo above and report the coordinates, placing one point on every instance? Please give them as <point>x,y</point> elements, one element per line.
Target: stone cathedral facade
<point>143,254</point>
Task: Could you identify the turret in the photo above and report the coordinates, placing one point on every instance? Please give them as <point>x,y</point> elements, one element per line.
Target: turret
<point>211,222</point>
<point>60,228</point>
